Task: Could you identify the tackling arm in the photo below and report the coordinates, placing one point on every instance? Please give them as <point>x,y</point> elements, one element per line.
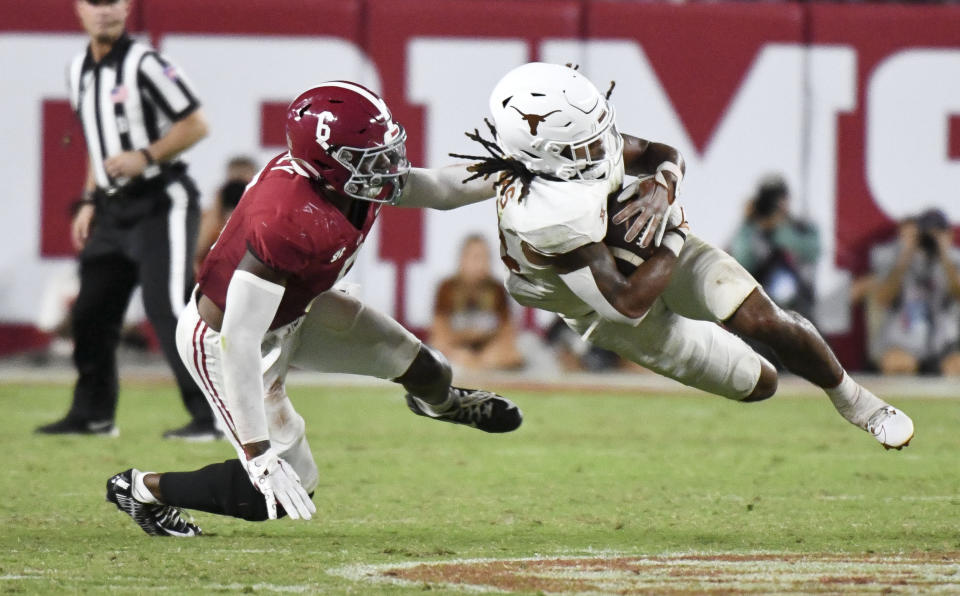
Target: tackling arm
<point>443,188</point>
<point>253,296</point>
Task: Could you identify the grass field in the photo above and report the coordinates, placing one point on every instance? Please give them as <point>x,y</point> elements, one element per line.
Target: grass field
<point>614,476</point>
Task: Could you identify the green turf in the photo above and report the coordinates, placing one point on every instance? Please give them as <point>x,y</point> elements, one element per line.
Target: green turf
<point>634,474</point>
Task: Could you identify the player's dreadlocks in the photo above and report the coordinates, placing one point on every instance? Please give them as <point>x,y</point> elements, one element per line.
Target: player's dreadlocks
<point>509,168</point>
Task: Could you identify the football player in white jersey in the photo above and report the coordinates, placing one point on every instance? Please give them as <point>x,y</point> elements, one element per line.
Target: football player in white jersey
<point>559,164</point>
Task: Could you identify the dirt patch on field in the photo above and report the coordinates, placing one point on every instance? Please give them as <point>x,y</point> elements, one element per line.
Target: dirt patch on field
<point>686,574</point>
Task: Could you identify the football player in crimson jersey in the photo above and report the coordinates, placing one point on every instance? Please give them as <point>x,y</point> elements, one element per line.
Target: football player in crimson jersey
<point>265,300</point>
<point>560,164</point>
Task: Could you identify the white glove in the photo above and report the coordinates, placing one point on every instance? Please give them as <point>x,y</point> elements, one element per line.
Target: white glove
<point>279,483</point>
<point>676,217</point>
<point>650,203</point>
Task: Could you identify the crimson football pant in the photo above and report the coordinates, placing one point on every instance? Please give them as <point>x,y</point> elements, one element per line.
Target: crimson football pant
<point>155,252</point>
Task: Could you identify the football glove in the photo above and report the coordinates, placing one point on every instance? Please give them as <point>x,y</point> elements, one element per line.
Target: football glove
<point>650,203</point>
<point>279,483</point>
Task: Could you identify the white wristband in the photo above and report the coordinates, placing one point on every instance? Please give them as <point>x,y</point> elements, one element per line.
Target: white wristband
<point>671,167</point>
<point>673,240</point>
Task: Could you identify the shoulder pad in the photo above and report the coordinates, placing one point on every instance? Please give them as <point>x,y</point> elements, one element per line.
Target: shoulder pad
<point>558,217</point>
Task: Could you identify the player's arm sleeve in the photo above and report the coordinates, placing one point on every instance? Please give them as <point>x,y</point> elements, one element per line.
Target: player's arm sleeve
<point>251,305</point>
<point>444,188</point>
<point>582,283</point>
<point>168,86</point>
<point>591,274</point>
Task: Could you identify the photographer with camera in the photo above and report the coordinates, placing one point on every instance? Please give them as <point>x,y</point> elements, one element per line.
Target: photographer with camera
<point>778,249</point>
<point>914,305</point>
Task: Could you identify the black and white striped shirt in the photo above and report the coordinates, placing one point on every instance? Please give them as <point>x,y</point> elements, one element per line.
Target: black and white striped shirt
<point>126,102</point>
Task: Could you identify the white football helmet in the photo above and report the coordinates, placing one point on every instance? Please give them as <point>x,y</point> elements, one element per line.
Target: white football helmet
<point>555,121</point>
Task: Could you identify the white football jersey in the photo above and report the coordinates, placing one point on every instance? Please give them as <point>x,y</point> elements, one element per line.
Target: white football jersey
<point>555,217</point>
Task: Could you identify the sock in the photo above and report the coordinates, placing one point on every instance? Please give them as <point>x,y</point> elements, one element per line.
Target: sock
<point>218,488</point>
<point>445,406</point>
<point>140,490</point>
<point>853,401</point>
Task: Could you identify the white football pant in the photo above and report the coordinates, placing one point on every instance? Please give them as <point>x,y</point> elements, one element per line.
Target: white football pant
<point>337,334</point>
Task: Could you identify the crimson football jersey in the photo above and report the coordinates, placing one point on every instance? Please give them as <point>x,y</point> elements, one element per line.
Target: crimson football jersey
<point>284,220</point>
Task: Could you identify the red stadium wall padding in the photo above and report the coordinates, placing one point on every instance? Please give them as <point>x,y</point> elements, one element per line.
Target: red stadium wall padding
<point>700,56</point>
<point>64,170</point>
<point>700,52</point>
<point>265,20</point>
<point>259,17</point>
<point>54,15</point>
<point>877,34</point>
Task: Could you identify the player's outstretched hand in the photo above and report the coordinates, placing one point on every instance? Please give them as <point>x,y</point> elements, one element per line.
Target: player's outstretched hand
<point>279,483</point>
<point>648,203</point>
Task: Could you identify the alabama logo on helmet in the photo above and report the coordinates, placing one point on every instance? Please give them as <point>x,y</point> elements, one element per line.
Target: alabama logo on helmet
<point>344,135</point>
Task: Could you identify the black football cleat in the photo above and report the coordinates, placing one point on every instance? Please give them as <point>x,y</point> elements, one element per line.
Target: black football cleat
<point>155,520</point>
<point>74,426</point>
<point>477,408</point>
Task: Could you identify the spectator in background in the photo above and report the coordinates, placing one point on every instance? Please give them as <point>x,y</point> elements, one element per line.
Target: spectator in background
<point>779,250</point>
<point>471,322</point>
<point>240,171</point>
<point>913,304</point>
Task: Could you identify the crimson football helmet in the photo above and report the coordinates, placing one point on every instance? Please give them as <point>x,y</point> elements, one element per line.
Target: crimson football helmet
<point>343,134</point>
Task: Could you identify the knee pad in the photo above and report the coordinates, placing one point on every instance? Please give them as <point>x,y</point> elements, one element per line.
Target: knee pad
<point>705,356</point>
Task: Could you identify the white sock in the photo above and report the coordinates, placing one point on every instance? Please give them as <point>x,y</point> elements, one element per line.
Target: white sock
<point>853,401</point>
<point>140,490</point>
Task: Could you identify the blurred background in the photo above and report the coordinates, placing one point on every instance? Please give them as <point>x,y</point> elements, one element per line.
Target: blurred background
<point>849,113</point>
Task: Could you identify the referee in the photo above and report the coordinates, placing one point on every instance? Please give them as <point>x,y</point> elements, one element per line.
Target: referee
<point>137,223</point>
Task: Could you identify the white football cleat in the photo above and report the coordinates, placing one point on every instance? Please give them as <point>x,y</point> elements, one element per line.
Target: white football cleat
<point>891,427</point>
